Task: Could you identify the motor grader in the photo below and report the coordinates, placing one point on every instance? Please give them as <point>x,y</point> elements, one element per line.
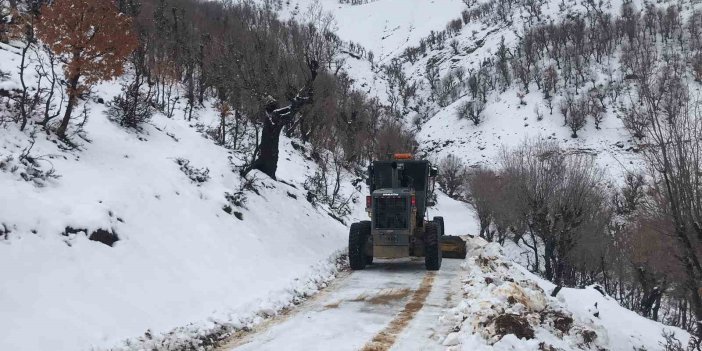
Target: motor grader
<point>401,189</point>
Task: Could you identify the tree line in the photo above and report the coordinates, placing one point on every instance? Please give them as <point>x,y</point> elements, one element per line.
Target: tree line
<point>637,240</point>
<point>583,64</point>
<point>264,76</point>
<point>640,241</point>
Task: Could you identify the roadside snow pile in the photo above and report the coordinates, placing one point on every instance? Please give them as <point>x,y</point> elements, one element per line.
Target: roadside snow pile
<point>627,330</point>
<point>504,307</point>
<point>214,333</point>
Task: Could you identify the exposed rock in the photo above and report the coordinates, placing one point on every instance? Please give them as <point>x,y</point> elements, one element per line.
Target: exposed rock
<point>513,324</point>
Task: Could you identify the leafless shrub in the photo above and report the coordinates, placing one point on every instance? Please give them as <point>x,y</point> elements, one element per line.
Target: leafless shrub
<point>452,175</point>
<point>628,199</point>
<point>197,175</point>
<point>325,186</point>
<point>471,110</point>
<point>133,107</point>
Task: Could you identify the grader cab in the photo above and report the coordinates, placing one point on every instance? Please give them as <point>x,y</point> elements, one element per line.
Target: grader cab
<point>400,193</point>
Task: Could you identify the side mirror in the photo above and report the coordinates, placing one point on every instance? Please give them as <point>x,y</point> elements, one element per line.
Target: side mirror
<point>433,172</point>
<point>431,203</point>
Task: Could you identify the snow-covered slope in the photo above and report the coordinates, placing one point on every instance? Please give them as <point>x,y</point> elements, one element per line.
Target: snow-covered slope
<point>185,262</point>
<point>507,121</point>
<point>180,258</point>
<point>387,28</point>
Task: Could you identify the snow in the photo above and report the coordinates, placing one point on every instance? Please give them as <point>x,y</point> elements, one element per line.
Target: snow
<point>348,314</point>
<point>184,269</point>
<point>181,260</point>
<point>459,217</point>
<point>509,124</point>
<point>385,27</point>
<point>494,286</point>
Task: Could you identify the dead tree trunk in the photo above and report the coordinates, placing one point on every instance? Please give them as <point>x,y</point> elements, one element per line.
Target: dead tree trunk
<point>267,160</point>
<point>274,121</point>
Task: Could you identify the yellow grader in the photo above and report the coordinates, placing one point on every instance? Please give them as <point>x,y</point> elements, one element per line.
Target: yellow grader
<point>400,193</point>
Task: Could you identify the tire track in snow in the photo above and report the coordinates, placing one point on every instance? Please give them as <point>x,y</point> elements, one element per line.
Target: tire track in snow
<point>396,300</point>
<point>241,337</point>
<point>386,338</point>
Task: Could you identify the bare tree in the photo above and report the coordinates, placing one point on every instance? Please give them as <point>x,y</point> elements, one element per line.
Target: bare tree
<point>550,78</point>
<point>452,175</point>
<point>471,110</point>
<point>482,185</point>
<point>558,195</point>
<point>673,134</point>
<point>628,199</point>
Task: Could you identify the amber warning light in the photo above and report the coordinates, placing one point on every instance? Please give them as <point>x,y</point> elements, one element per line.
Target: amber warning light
<point>403,156</point>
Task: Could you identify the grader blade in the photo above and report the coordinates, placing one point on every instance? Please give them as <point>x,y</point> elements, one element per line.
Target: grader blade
<point>453,247</point>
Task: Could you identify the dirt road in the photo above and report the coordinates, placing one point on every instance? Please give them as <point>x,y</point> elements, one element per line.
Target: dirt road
<point>392,305</point>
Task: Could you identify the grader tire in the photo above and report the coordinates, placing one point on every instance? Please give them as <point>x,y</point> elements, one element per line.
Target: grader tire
<point>367,241</point>
<point>432,248</point>
<point>357,254</point>
<point>440,221</point>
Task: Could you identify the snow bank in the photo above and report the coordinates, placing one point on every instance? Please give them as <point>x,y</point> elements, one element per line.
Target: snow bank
<point>504,307</point>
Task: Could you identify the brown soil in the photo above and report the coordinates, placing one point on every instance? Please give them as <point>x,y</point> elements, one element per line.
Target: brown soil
<point>387,337</point>
<point>563,323</point>
<point>332,305</point>
<point>385,296</point>
<point>513,324</point>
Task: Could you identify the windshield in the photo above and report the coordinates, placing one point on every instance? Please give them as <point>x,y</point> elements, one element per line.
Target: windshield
<point>411,175</point>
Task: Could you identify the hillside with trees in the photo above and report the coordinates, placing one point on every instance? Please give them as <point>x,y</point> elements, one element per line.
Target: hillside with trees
<point>211,155</point>
<point>570,127</point>
<point>140,133</point>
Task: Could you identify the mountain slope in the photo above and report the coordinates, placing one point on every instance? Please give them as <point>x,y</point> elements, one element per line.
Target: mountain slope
<point>194,261</point>
<point>170,196</point>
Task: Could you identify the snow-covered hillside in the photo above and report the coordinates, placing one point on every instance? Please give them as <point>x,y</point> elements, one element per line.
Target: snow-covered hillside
<point>152,240</point>
<point>388,29</point>
<point>183,257</point>
<point>384,27</point>
<point>510,117</point>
